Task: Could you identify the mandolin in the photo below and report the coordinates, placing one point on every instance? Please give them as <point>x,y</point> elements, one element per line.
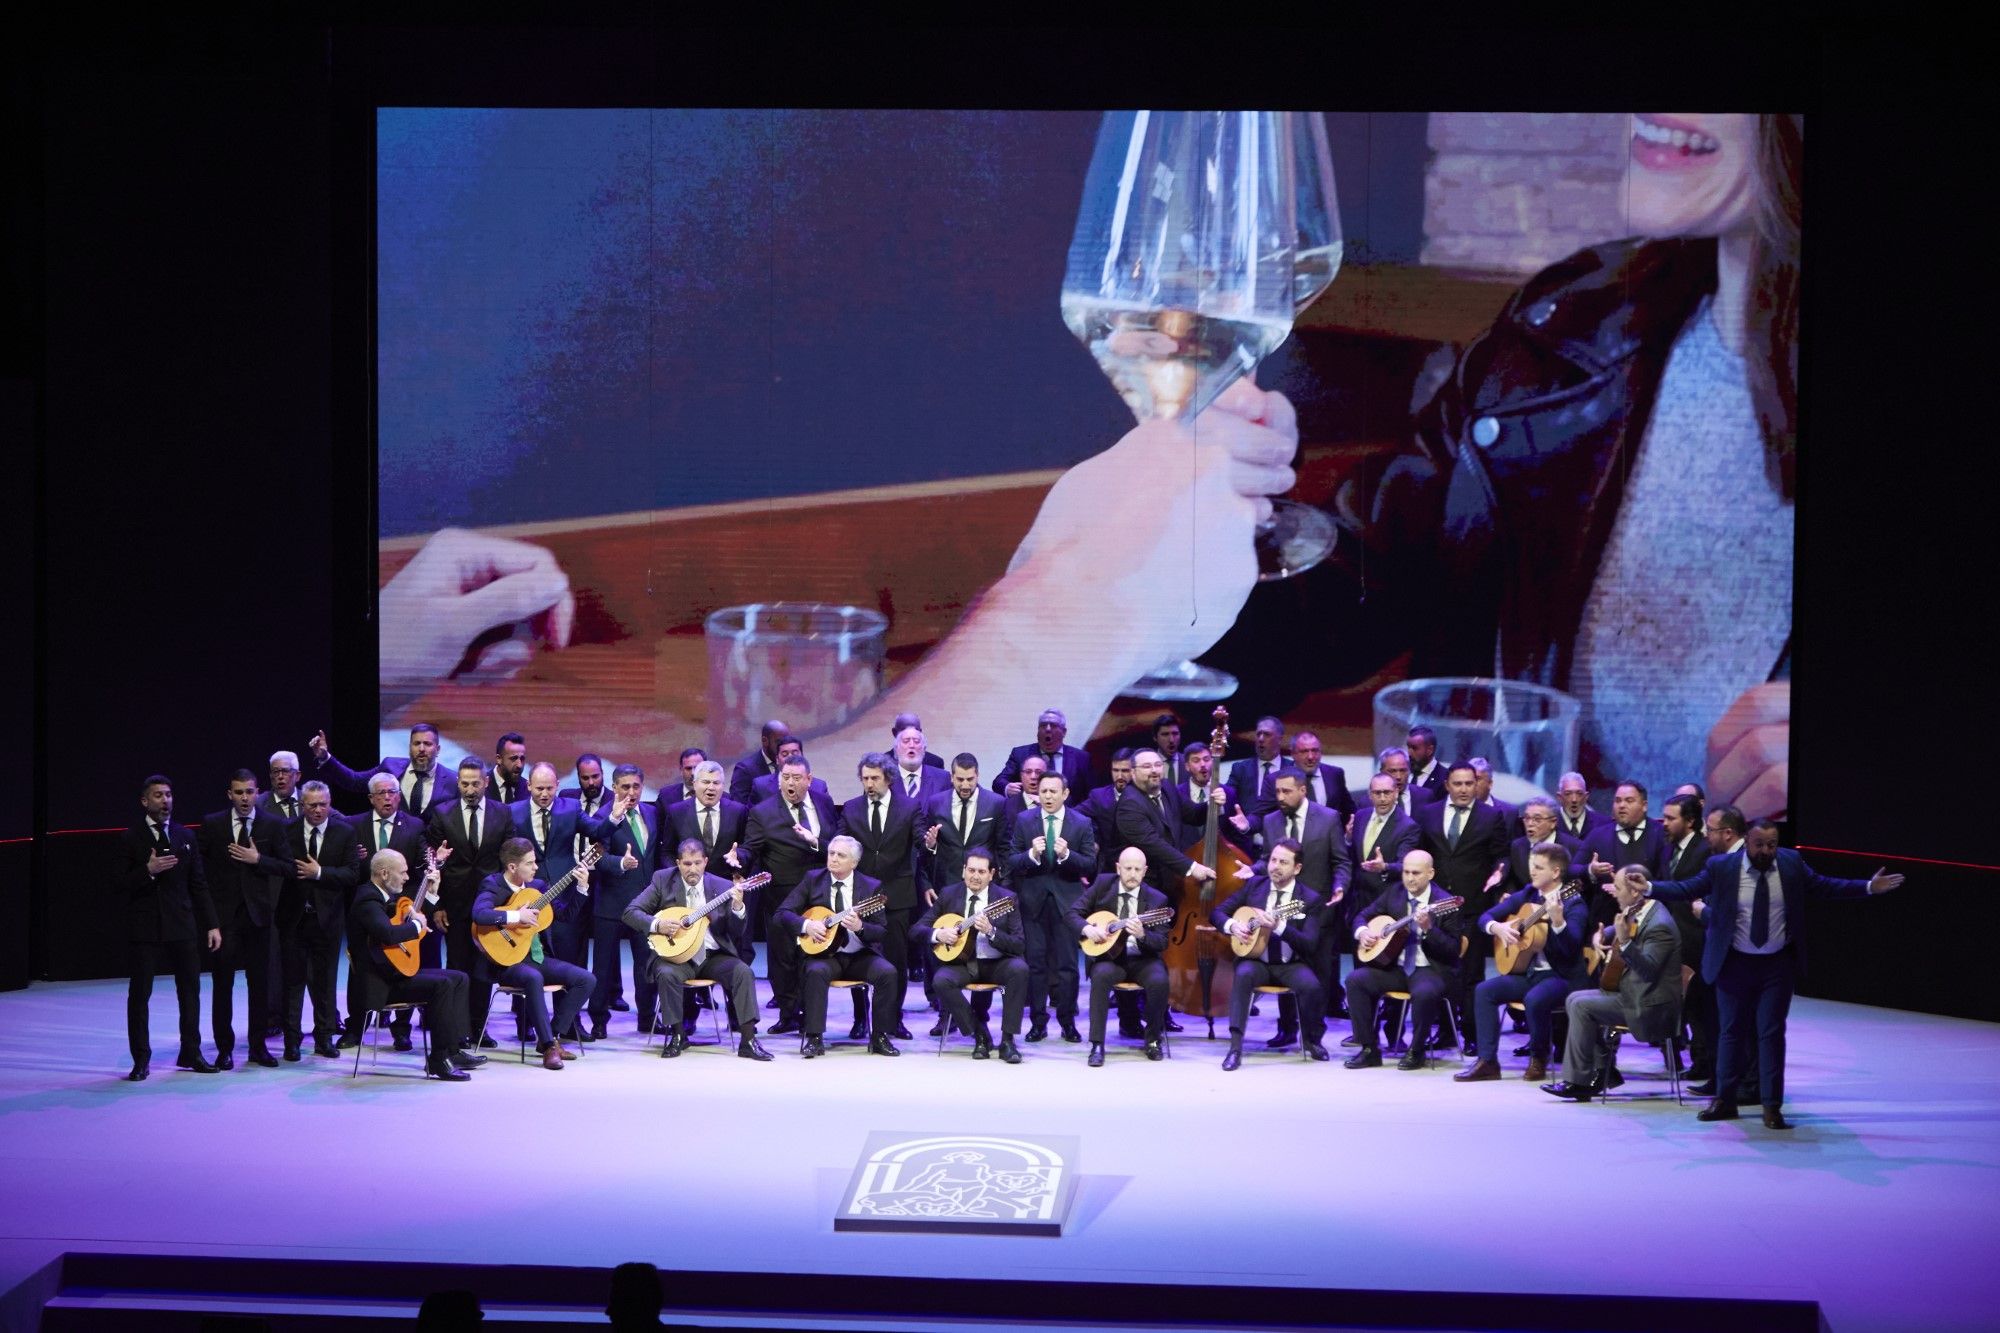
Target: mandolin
<point>408,956</point>
<point>694,925</point>
<point>1112,922</point>
<point>954,949</point>
<point>508,945</point>
<point>1530,921</point>
<point>1254,937</point>
<point>1388,951</point>
<point>869,906</point>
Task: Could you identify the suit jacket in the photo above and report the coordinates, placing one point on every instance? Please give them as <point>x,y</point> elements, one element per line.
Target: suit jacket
<point>684,821</point>
<point>406,835</point>
<point>1102,896</point>
<point>339,875</point>
<point>443,783</point>
<point>1593,820</point>
<point>1416,798</point>
<point>1718,883</point>
<point>1009,935</point>
<point>672,794</point>
<point>1139,825</point>
<point>1433,778</point>
<point>1685,865</point>
<point>267,805</point>
<point>748,769</point>
<point>1010,812</point>
<point>769,843</point>
<point>1101,808</point>
<point>1059,879</point>
<point>1075,770</point>
<point>369,931</point>
<point>764,788</point>
<point>558,856</point>
<point>256,886</point>
<point>1510,815</point>
<point>1301,933</point>
<point>816,890</point>
<point>1324,866</point>
<point>612,887</point>
<point>1482,845</point>
<point>467,866</point>
<point>931,779</point>
<point>173,905</point>
<point>1194,813</point>
<point>890,856</point>
<point>604,800</point>
<point>1650,990</point>
<point>727,932</point>
<point>1258,796</point>
<point>942,868</point>
<point>1564,950</point>
<point>497,788</point>
<point>1440,943</point>
<point>1334,778</point>
<point>1398,837</point>
<point>1514,875</point>
<point>1603,842</point>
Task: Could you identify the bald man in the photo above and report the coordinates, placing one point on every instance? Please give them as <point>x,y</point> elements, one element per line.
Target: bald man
<point>1426,966</point>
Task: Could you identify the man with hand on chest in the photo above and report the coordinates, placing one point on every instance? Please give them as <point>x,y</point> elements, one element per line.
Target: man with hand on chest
<point>312,918</point>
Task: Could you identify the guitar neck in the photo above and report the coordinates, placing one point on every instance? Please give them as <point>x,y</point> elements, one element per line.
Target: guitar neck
<point>556,890</point>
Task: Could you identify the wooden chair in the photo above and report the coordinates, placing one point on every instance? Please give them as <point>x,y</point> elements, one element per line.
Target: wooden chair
<point>689,987</point>
<point>970,989</point>
<point>520,1020</point>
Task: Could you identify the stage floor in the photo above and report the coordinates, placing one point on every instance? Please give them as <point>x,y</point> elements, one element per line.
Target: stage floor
<point>1881,1204</point>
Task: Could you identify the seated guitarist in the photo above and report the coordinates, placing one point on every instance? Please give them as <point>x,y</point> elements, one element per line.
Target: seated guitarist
<point>440,990</point>
<point>994,955</point>
<point>1288,958</point>
<point>858,957</point>
<point>1126,894</point>
<point>1556,969</point>
<point>540,968</point>
<point>1648,998</point>
<point>724,957</point>
<point>1427,968</point>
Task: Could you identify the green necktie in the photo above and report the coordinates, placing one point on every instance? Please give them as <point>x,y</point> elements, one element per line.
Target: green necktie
<point>638,832</point>
<point>1050,855</point>
<point>535,947</point>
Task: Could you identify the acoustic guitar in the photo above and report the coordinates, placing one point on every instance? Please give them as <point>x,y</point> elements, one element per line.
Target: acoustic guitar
<point>1610,968</point>
<point>694,925</point>
<point>869,906</point>
<point>508,945</point>
<point>1112,922</point>
<point>1530,920</point>
<point>1255,938</point>
<point>408,956</point>
<point>1388,951</point>
<point>950,951</point>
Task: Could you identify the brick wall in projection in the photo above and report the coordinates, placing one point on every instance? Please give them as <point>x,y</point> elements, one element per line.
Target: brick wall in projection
<point>1516,191</point>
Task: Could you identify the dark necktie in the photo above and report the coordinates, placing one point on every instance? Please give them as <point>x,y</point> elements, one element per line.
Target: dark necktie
<point>965,821</point>
<point>1159,807</point>
<point>291,808</point>
<point>1627,835</point>
<point>1292,825</point>
<point>545,831</point>
<point>839,898</point>
<point>419,790</point>
<point>161,843</point>
<point>1276,953</point>
<point>1125,912</point>
<point>910,783</point>
<point>472,831</point>
<point>799,813</point>
<point>242,831</point>
<point>1264,778</point>
<point>875,817</point>
<point>1760,911</point>
<point>1457,825</point>
<point>708,827</point>
<point>312,845</point>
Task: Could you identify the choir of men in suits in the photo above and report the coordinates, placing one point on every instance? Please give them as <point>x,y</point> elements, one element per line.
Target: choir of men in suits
<point>473,826</point>
<point>1290,954</point>
<point>312,918</point>
<point>992,956</point>
<point>954,821</point>
<point>1425,771</point>
<point>246,862</point>
<point>1410,798</point>
<point>169,919</point>
<point>1100,807</point>
<point>508,782</point>
<point>919,774</point>
<point>282,800</point>
<point>1326,784</point>
<point>442,991</point>
<point>1576,818</point>
<point>723,957</point>
<point>1467,843</point>
<point>787,836</point>
<point>1629,838</point>
<point>554,826</point>
<point>540,968</point>
<point>1255,779</point>
<point>1755,952</point>
<point>884,821</point>
<point>630,836</point>
<point>708,816</point>
<point>1683,852</point>
<point>761,762</point>
<point>1648,998</point>
<point>1538,824</point>
<point>1072,763</point>
<point>856,954</point>
<point>1556,969</point>
<point>1426,968</point>
<point>672,793</point>
<point>765,786</point>
<point>1054,856</point>
<point>422,783</point>
<point>1125,893</point>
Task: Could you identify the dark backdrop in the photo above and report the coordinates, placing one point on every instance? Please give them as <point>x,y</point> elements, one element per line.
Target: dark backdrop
<point>192,346</point>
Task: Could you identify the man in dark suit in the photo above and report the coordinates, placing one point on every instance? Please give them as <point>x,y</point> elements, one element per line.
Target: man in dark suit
<point>992,956</point>
<point>1322,866</point>
<point>856,956</point>
<point>473,826</point>
<point>1196,795</point>
<point>312,918</point>
<point>1100,807</point>
<point>1482,794</point>
<point>1556,969</point>
<point>592,797</point>
<point>1072,763</point>
<point>761,762</point>
<point>553,826</point>
<point>1021,802</point>
<point>1149,817</point>
<point>709,817</point>
<point>540,969</point>
<point>787,835</point>
<point>1538,823</point>
<point>1426,968</point>
<point>1425,770</point>
<point>422,782</point>
<point>281,800</point>
<point>963,816</point>
<point>1576,818</point>
<point>246,862</point>
<point>1376,847</point>
<point>1255,779</point>
<point>723,957</point>
<point>1683,852</point>
<point>884,822</point>
<point>910,721</point>
<point>1289,958</point>
<point>765,786</point>
<point>918,774</point>
<point>1326,784</point>
<point>508,782</point>
<point>387,826</point>
<point>1648,998</point>
<point>1395,761</point>
<point>168,918</point>
<point>1755,951</point>
<point>673,793</point>
<point>1136,959</point>
<point>1467,843</point>
<point>1047,875</point>
<point>630,833</point>
<point>1167,740</point>
<point>441,991</point>
<point>1629,839</point>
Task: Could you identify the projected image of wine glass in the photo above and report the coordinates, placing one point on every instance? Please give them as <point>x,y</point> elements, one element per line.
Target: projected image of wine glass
<point>1181,275</point>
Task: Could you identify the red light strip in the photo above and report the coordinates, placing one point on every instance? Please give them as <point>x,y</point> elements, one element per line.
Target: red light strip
<point>1894,856</point>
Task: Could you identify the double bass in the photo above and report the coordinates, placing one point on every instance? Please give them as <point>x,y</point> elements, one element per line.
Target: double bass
<point>1192,955</point>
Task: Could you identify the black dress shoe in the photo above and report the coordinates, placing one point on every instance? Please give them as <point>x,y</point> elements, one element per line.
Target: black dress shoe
<point>880,1044</point>
<point>1775,1119</point>
<point>859,1032</point>
<point>1705,1088</point>
<point>785,1027</point>
<point>687,1027</point>
<point>1232,1059</point>
<point>1350,1040</point>
<point>1131,1031</point>
<point>982,1046</point>
<point>672,1046</point>
<point>291,1052</point>
<point>1485,1071</point>
<point>139,1072</point>
<point>645,1027</point>
<point>1717,1110</point>
<point>1412,1058</point>
<point>813,1047</point>
<point>447,1072</point>
<point>259,1056</point>
<point>937,1028</point>
<point>487,1043</point>
<point>582,1033</point>
<point>1315,1051</point>
<point>1281,1039</point>
<point>405,1044</point>
<point>466,1059</point>
<point>1038,1030</point>
<point>619,1006</point>
<point>222,1062</point>
<point>1010,1054</point>
<point>1069,1032</point>
<point>195,1061</point>
<point>749,1048</point>
<point>1172,1026</point>
<point>1368,1057</point>
<point>349,1040</point>
<point>1524,1048</point>
<point>1096,1060</point>
<point>1576,1092</point>
<point>1612,1078</point>
<point>1154,1051</point>
<point>771,1003</point>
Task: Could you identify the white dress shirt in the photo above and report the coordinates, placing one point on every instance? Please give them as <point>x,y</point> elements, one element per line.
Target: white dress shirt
<point>1746,901</point>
